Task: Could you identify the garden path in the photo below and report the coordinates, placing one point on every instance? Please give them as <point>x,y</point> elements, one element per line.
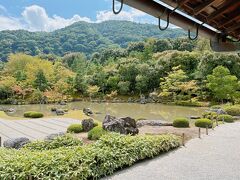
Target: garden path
<point>214,157</point>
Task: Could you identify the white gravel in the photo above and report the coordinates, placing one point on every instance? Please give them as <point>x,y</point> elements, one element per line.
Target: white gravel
<point>214,157</point>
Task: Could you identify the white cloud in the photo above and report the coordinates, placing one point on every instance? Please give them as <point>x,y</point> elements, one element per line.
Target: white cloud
<point>132,15</point>
<point>35,18</point>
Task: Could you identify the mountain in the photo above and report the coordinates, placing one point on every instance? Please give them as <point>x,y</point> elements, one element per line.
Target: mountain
<point>80,37</point>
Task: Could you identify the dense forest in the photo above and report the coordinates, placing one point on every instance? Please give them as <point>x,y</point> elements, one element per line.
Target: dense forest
<point>165,70</point>
<point>80,37</point>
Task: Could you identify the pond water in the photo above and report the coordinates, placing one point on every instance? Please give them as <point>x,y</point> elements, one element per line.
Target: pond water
<point>147,111</point>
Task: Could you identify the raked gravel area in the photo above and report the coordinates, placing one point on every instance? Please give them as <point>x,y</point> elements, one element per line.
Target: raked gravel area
<point>213,157</point>
<point>33,128</point>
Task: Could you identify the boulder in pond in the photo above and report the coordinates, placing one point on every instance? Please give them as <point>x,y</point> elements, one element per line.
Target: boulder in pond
<point>53,109</point>
<point>87,111</point>
<point>87,124</point>
<point>52,136</point>
<point>16,143</point>
<point>221,111</point>
<point>60,112</point>
<point>125,125</point>
<point>63,103</point>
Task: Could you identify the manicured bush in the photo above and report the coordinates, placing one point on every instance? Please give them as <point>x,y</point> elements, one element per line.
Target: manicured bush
<point>226,118</point>
<point>110,153</point>
<point>57,142</point>
<point>203,123</point>
<point>233,110</point>
<point>95,123</point>
<point>33,114</point>
<point>181,123</point>
<point>75,128</point>
<point>96,133</point>
<point>209,115</point>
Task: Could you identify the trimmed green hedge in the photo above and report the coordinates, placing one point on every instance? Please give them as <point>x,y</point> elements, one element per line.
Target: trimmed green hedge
<point>110,153</point>
<point>181,123</point>
<point>96,133</point>
<point>233,110</point>
<point>33,114</point>
<point>226,118</point>
<point>60,141</point>
<point>203,123</point>
<point>75,128</point>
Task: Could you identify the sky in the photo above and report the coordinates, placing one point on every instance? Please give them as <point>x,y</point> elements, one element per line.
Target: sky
<point>49,15</point>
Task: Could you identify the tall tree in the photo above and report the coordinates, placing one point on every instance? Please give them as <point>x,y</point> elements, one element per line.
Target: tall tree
<point>41,82</point>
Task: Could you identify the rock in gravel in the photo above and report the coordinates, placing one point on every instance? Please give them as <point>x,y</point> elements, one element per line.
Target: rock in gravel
<point>125,125</point>
<point>153,123</point>
<point>16,143</point>
<point>53,136</point>
<point>87,124</point>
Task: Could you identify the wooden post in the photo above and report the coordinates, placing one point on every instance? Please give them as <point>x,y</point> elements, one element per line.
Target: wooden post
<point>30,178</point>
<point>212,125</point>
<point>207,130</point>
<point>216,122</point>
<point>223,120</point>
<point>183,139</point>
<point>199,132</point>
<point>0,141</point>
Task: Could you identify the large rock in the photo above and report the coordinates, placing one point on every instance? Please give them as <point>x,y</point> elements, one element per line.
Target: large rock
<point>221,111</point>
<point>50,137</point>
<point>87,124</point>
<point>16,143</point>
<point>121,125</point>
<point>87,111</point>
<point>60,112</point>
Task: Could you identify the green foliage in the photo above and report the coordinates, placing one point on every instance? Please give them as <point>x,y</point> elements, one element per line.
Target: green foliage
<point>75,128</point>
<point>225,118</point>
<point>57,142</point>
<point>33,114</point>
<point>181,123</point>
<point>233,110</point>
<point>210,115</point>
<point>222,84</point>
<point>96,133</point>
<point>102,158</point>
<point>203,123</point>
<point>80,37</point>
<point>41,81</point>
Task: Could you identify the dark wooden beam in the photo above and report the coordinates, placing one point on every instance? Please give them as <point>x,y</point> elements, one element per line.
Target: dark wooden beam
<point>225,7</point>
<point>203,6</point>
<point>232,17</point>
<point>233,28</point>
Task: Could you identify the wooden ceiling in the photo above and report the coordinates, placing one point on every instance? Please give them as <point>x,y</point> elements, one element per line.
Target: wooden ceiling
<point>223,15</point>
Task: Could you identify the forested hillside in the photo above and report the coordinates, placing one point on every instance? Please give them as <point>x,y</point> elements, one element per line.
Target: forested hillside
<point>80,37</point>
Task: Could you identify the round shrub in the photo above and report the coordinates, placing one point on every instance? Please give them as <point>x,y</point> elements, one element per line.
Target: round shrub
<point>233,110</point>
<point>181,123</point>
<point>226,118</point>
<point>33,114</point>
<point>203,123</point>
<point>96,133</point>
<point>75,128</point>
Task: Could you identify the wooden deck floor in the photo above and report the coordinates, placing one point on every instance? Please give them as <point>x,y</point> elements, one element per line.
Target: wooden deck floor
<point>33,128</point>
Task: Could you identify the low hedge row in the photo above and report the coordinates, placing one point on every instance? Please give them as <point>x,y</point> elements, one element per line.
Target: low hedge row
<point>233,110</point>
<point>33,114</point>
<point>111,152</point>
<point>60,141</point>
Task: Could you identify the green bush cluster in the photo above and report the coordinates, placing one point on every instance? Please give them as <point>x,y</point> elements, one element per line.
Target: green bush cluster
<point>203,123</point>
<point>181,123</point>
<point>110,153</point>
<point>59,141</point>
<point>210,115</point>
<point>233,110</point>
<point>96,133</point>
<point>33,114</point>
<point>226,118</point>
<point>75,128</point>
<point>189,103</point>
